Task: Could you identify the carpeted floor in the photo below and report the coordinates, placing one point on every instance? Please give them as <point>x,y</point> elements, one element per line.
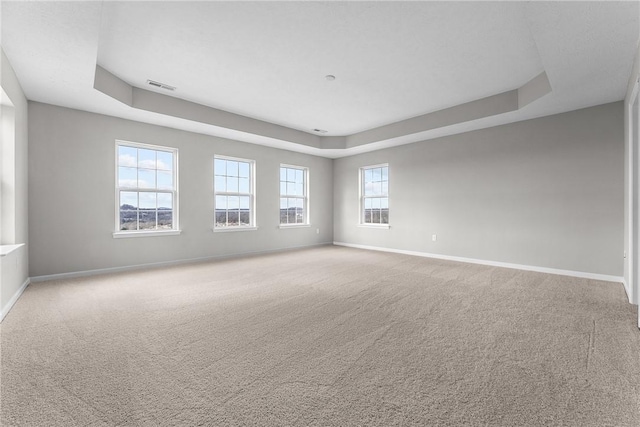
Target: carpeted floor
<point>322,337</point>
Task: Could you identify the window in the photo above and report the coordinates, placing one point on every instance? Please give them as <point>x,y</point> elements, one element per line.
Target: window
<point>146,188</point>
<point>234,193</point>
<point>374,191</point>
<point>293,195</point>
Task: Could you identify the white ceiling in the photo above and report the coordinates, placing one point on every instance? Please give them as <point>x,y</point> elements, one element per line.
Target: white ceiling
<point>267,60</point>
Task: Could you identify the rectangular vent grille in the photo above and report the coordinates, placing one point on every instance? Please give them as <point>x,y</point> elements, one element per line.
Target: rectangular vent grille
<point>160,85</point>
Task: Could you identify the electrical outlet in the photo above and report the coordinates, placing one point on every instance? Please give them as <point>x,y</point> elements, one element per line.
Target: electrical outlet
<point>434,237</point>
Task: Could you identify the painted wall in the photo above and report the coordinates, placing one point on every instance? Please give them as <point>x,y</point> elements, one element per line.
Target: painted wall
<point>15,267</point>
<point>632,285</point>
<point>72,195</point>
<point>546,192</point>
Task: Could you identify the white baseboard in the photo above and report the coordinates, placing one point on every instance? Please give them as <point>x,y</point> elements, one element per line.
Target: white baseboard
<point>581,274</point>
<point>96,272</point>
<point>627,290</point>
<point>14,298</point>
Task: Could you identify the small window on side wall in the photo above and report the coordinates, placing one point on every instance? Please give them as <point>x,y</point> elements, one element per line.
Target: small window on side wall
<point>146,189</point>
<point>294,200</point>
<point>374,195</point>
<point>234,199</point>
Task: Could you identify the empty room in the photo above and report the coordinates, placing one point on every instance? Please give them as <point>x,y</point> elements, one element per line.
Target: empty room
<point>320,213</point>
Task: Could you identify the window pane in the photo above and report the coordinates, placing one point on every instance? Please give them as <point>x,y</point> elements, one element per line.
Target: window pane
<point>128,200</point>
<point>375,216</point>
<point>291,211</point>
<point>367,215</point>
<point>164,160</point>
<point>299,190</point>
<point>299,176</point>
<point>244,202</point>
<point>147,200</point>
<point>165,180</point>
<point>147,219</point>
<point>127,177</point>
<point>165,201</point>
<point>245,218</point>
<point>243,169</point>
<point>283,188</point>
<point>376,188</point>
<point>385,174</point>
<point>384,203</point>
<point>385,188</point>
<point>233,217</point>
<point>232,168</point>
<point>127,156</point>
<point>291,175</point>
<point>299,211</point>
<point>283,174</point>
<point>232,184</point>
<point>220,167</point>
<point>146,158</point>
<point>165,219</point>
<point>384,216</point>
<point>146,178</point>
<point>221,202</point>
<point>368,175</point>
<point>221,217</point>
<point>233,202</point>
<point>375,203</point>
<point>221,211</point>
<point>368,189</point>
<point>376,174</point>
<point>283,210</point>
<point>220,183</point>
<point>128,220</point>
<point>291,188</point>
<point>243,185</point>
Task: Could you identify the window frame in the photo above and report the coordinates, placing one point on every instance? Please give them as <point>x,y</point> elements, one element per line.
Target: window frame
<point>175,230</point>
<point>252,195</point>
<point>305,197</point>
<point>362,197</point>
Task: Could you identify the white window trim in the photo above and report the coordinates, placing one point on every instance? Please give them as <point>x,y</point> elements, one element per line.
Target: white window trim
<point>381,226</point>
<point>252,196</point>
<point>175,208</point>
<point>306,198</point>
<point>361,198</point>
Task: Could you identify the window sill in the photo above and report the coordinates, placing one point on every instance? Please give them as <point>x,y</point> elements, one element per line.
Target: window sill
<point>295,225</point>
<point>231,229</point>
<point>7,249</point>
<point>155,233</point>
<point>382,226</point>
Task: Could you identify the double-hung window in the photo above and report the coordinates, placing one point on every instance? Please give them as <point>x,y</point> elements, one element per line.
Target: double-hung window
<point>146,189</point>
<point>294,202</point>
<point>374,195</point>
<point>234,187</point>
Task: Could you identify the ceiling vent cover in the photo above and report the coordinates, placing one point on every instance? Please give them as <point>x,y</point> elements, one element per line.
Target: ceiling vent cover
<point>320,130</point>
<point>160,85</point>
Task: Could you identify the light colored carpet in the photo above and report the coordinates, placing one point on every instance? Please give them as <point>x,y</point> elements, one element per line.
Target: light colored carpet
<point>322,337</point>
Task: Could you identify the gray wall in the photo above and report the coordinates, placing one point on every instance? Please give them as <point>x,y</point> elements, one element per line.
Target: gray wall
<point>15,267</point>
<point>72,195</point>
<point>546,192</point>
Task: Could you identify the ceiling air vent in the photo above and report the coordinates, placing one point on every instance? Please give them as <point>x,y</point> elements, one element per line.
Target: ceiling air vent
<point>160,85</point>
<point>320,130</point>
